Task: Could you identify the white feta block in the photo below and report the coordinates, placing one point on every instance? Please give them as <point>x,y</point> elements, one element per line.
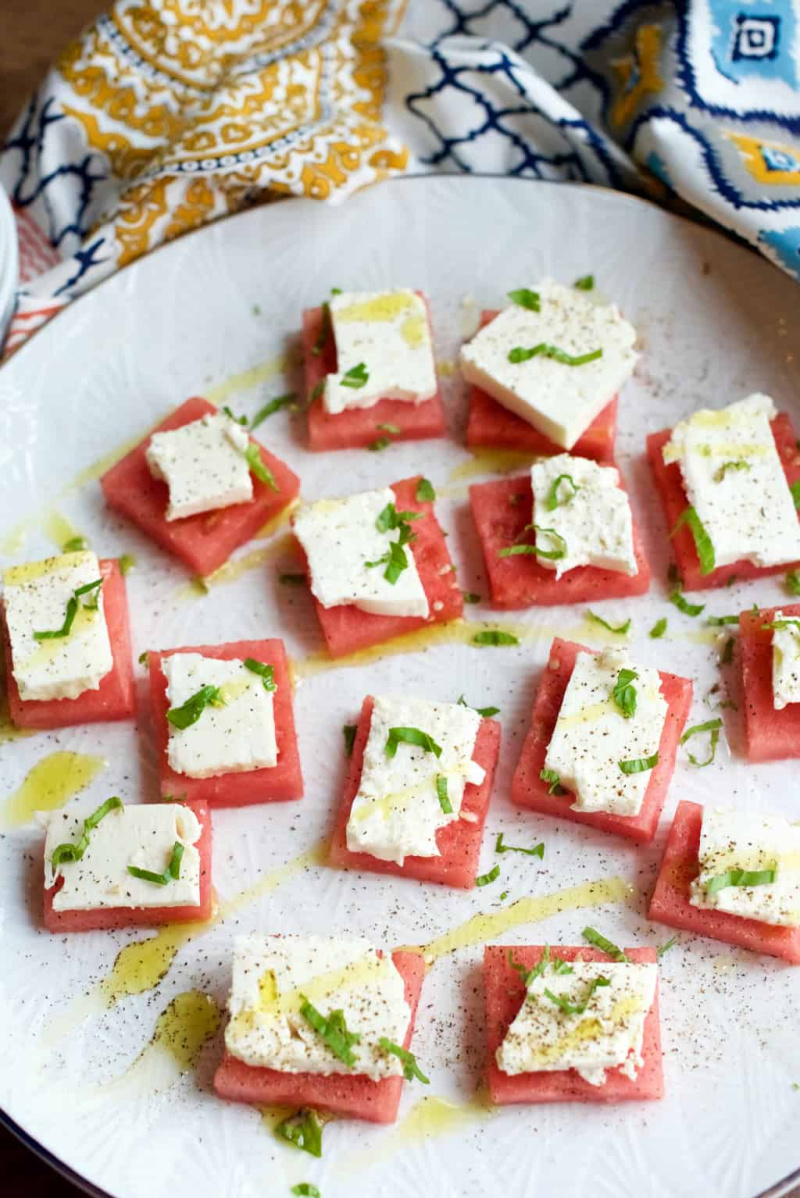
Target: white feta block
<point>785,663</point>
<point>397,811</point>
<point>340,536</point>
<point>273,975</point>
<point>559,400</point>
<point>36,598</point>
<point>592,736</point>
<point>388,332</point>
<point>592,515</point>
<point>143,836</point>
<point>608,1034</point>
<point>232,738</point>
<point>738,840</point>
<point>733,477</point>
<point>203,464</point>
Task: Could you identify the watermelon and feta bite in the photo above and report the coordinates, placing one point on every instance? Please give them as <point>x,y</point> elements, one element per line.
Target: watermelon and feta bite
<point>377,565</point>
<point>565,534</point>
<point>417,792</point>
<point>769,657</point>
<point>321,1022</point>
<point>733,876</point>
<point>572,1025</point>
<point>67,643</point>
<point>127,866</point>
<point>555,359</point>
<point>370,371</point>
<point>728,481</point>
<point>224,724</point>
<point>199,486</point>
<point>603,739</point>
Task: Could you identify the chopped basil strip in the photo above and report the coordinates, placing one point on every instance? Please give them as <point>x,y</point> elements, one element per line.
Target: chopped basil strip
<point>231,416</point>
<point>659,628</point>
<point>551,554</point>
<point>95,586</point>
<point>554,782</point>
<point>553,500</point>
<point>190,711</point>
<point>305,1189</point>
<point>738,464</point>
<point>470,597</point>
<point>795,489</point>
<point>292,580</point>
<point>126,563</point>
<point>719,621</point>
<point>411,1069</point>
<point>526,298</point>
<point>683,605</point>
<point>395,560</point>
<point>664,948</point>
<point>75,545</point>
<point>486,712</point>
<point>318,389</point>
<point>568,1008</point>
<point>493,636</point>
<point>333,1030</point>
<point>727,652</point>
<point>596,939</point>
<point>267,672</point>
<point>624,693</point>
<point>792,581</point>
<point>394,429</point>
<point>622,630</point>
<point>258,468</point>
<point>712,726</point>
<point>492,876</point>
<point>584,283</point>
<point>441,794</point>
<point>304,1130</point>
<point>324,330</point>
<point>741,877</point>
<point>379,443</point>
<point>425,492</point>
<point>702,541</point>
<point>780,624</point>
<point>411,736</point>
<point>519,354</point>
<point>639,765</point>
<point>390,519</point>
<point>144,658</point>
<point>74,852</point>
<point>536,851</point>
<point>356,376</point>
<point>349,733</point>
<point>170,874</point>
<point>72,610</point>
<point>504,895</point>
<point>282,401</point>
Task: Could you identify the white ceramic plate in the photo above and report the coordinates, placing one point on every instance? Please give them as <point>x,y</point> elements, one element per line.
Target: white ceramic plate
<point>78,1076</point>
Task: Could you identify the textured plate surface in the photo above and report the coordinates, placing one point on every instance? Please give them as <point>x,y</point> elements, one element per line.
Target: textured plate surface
<point>213,314</point>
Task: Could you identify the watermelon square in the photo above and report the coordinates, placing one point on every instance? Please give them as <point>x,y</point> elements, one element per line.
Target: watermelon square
<point>769,734</point>
<point>527,787</point>
<point>347,629</point>
<point>205,541</point>
<point>459,843</point>
<point>272,784</point>
<point>669,484</point>
<point>139,917</point>
<point>115,698</point>
<point>353,1095</point>
<point>670,902</point>
<point>360,427</point>
<point>505,994</point>
<point>491,426</point>
<point>501,511</point>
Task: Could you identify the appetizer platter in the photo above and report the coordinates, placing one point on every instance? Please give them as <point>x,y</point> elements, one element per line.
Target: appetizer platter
<point>401,707</point>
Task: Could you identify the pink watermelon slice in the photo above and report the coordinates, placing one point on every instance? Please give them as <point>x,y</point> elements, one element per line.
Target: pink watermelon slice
<point>769,734</point>
<point>115,698</point>
<point>206,541</point>
<point>527,787</point>
<point>459,843</point>
<point>505,993</point>
<point>501,510</point>
<point>354,1095</point>
<point>276,784</point>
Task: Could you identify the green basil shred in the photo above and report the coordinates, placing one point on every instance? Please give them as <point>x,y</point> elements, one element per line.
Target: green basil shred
<point>491,876</point>
<point>711,726</point>
<point>536,851</point>
<point>598,940</point>
<point>702,541</point>
<point>621,630</point>
<point>525,298</point>
<point>411,736</point>
<point>521,354</point>
<point>170,874</point>
<point>74,852</point>
<point>303,1130</point>
<point>441,794</point>
<point>639,765</point>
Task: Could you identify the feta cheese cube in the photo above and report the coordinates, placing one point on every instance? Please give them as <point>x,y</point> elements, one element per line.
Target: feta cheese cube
<point>592,736</point>
<point>738,840</point>
<point>592,515</point>
<point>396,812</point>
<point>388,332</point>
<point>203,464</point>
<point>36,599</point>
<point>273,975</point>
<point>232,738</point>
<point>733,477</point>
<point>785,663</point>
<point>143,836</point>
<point>608,1034</point>
<point>559,400</point>
<point>340,536</point>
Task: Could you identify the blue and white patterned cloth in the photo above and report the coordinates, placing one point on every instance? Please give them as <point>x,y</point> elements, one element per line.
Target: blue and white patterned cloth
<point>171,113</point>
